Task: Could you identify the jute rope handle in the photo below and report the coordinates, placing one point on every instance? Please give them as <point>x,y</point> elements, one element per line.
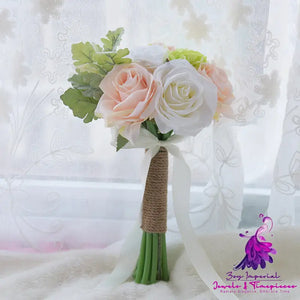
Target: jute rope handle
<point>154,210</point>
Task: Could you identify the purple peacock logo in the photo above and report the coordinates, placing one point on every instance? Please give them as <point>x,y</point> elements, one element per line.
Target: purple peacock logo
<point>257,249</point>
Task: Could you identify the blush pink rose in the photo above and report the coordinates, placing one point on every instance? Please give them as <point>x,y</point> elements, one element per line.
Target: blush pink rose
<point>225,93</point>
<point>129,98</point>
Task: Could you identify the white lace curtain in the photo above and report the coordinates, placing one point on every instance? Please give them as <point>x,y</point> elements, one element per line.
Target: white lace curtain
<point>61,183</point>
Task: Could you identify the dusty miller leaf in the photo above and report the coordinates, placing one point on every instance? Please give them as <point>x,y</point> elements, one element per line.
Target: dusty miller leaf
<point>83,107</point>
<point>88,84</point>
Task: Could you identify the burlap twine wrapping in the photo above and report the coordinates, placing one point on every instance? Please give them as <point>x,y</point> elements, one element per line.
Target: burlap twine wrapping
<point>154,211</point>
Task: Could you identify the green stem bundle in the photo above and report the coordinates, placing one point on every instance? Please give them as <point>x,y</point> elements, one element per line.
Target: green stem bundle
<point>152,264</point>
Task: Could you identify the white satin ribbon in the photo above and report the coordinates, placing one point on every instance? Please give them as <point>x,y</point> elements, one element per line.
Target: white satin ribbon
<point>181,195</point>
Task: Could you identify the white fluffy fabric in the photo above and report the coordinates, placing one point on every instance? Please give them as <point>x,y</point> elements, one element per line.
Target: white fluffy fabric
<point>75,274</point>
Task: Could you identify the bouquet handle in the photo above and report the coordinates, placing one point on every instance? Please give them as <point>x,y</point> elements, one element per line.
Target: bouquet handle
<point>152,262</point>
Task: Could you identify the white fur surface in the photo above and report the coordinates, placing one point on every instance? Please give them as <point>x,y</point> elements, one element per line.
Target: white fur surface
<point>75,274</point>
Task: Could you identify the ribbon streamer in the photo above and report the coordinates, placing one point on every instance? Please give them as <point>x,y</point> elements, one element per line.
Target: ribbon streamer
<point>181,197</point>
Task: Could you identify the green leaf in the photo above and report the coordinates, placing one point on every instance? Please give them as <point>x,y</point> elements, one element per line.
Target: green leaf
<point>121,142</point>
<point>97,48</point>
<point>92,63</point>
<point>92,58</point>
<point>152,127</point>
<point>83,53</point>
<point>88,84</point>
<point>83,107</point>
<point>91,68</point>
<point>106,61</point>
<point>165,136</point>
<point>119,56</point>
<point>112,40</point>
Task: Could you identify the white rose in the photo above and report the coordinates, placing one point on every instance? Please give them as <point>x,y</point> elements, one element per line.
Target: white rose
<point>150,56</point>
<point>188,101</point>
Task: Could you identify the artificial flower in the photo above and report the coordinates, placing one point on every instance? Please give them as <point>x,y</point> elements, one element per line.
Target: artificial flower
<point>150,56</point>
<point>188,100</point>
<point>129,97</point>
<point>225,93</point>
<point>195,58</point>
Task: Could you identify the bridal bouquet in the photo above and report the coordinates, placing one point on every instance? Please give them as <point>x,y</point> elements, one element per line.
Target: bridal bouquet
<point>150,97</point>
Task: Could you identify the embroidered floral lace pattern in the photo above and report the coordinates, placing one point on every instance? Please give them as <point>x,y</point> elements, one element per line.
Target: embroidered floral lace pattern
<point>42,142</point>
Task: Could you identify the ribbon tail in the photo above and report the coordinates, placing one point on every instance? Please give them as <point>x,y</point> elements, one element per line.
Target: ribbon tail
<point>131,247</point>
<point>181,194</point>
<point>127,260</point>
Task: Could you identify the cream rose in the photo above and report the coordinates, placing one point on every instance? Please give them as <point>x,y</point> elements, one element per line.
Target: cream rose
<point>129,97</point>
<point>188,100</point>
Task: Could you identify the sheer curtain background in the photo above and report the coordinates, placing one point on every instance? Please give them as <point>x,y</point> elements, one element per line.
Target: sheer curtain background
<point>62,185</point>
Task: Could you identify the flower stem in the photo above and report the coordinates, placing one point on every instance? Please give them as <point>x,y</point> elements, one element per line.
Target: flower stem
<point>139,269</point>
<point>154,257</point>
<point>152,262</point>
<point>148,254</point>
<point>165,271</point>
